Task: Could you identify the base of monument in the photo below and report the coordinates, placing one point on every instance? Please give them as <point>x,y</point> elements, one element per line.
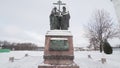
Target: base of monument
<point>58,66</point>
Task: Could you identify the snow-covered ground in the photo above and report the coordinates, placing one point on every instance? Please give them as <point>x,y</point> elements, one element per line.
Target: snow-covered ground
<point>81,58</point>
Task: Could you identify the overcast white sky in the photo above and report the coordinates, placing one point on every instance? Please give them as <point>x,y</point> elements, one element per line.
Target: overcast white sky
<point>28,20</point>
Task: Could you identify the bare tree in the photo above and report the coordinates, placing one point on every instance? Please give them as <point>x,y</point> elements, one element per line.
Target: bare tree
<point>100,28</point>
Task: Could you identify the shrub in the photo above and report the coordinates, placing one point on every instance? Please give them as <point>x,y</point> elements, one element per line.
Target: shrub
<point>107,48</point>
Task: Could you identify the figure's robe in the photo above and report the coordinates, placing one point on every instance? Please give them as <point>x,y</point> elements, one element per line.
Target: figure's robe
<point>54,21</point>
<point>65,21</point>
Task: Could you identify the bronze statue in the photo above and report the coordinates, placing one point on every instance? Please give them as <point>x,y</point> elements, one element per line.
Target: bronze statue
<point>59,20</point>
<point>65,19</point>
<point>54,16</point>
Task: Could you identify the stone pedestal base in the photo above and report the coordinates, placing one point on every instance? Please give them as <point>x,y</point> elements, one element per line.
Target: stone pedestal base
<point>59,51</point>
<point>58,66</point>
<point>58,48</point>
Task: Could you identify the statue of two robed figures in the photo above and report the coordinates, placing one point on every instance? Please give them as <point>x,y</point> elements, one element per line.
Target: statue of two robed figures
<point>59,20</point>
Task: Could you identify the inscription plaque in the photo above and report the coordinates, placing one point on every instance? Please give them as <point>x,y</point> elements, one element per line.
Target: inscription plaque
<point>59,44</point>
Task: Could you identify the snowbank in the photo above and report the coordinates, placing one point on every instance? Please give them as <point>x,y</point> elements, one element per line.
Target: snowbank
<point>35,58</point>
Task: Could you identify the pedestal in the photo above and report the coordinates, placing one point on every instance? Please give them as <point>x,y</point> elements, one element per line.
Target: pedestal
<point>58,52</point>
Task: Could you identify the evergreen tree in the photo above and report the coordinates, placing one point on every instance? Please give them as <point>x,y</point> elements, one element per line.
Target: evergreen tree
<point>107,48</point>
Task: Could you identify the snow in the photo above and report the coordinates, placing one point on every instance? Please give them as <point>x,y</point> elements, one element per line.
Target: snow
<point>35,58</point>
<point>112,61</point>
<point>58,33</point>
<point>58,39</point>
